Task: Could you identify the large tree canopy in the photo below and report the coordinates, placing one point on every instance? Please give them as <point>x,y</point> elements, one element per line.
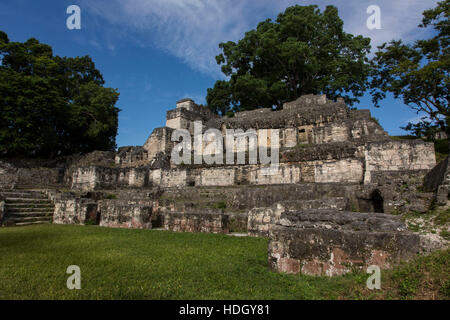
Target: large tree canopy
<point>418,73</point>
<point>52,105</point>
<point>304,51</point>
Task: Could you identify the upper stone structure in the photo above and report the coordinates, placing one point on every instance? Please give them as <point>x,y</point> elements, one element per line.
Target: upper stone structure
<point>320,141</point>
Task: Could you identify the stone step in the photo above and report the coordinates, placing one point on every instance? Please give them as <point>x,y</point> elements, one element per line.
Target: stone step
<point>16,221</point>
<point>336,203</point>
<point>30,214</point>
<point>29,205</point>
<point>30,208</point>
<point>32,223</point>
<point>28,195</point>
<point>25,200</point>
<point>39,187</point>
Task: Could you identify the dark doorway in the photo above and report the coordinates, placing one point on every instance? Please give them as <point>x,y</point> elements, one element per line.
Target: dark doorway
<point>378,202</point>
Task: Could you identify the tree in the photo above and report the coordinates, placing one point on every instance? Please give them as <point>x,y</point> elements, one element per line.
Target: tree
<point>304,51</point>
<point>52,105</point>
<point>418,73</point>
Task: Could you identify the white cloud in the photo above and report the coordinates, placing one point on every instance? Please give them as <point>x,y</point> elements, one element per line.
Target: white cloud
<point>192,29</point>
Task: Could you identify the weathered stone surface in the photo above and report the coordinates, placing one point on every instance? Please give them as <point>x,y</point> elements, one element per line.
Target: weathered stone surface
<point>262,220</point>
<point>401,192</point>
<point>159,141</point>
<point>124,214</point>
<point>398,155</point>
<point>328,242</point>
<point>128,155</point>
<point>28,173</point>
<point>210,222</point>
<point>74,211</point>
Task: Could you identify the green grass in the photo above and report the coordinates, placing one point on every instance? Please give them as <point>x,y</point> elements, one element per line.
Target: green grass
<point>427,277</point>
<point>219,205</point>
<point>144,264</point>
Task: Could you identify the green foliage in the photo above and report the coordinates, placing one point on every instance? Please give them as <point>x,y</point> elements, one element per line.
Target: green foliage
<point>51,105</point>
<point>443,218</point>
<point>219,205</point>
<point>426,129</point>
<point>418,73</point>
<point>304,51</point>
<point>111,196</point>
<point>399,138</point>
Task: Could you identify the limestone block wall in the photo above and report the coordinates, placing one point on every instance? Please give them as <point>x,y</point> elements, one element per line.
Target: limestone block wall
<point>331,171</point>
<point>196,222</point>
<point>122,214</point>
<point>261,220</point>
<point>337,162</point>
<point>365,128</point>
<point>438,181</point>
<point>92,178</point>
<point>180,122</point>
<point>159,141</point>
<point>398,155</point>
<point>174,178</point>
<point>84,178</point>
<point>217,177</point>
<point>187,104</point>
<point>339,171</point>
<point>39,176</point>
<point>138,177</point>
<point>12,175</point>
<point>290,137</point>
<point>74,211</point>
<point>129,155</point>
<point>282,174</point>
<point>335,132</point>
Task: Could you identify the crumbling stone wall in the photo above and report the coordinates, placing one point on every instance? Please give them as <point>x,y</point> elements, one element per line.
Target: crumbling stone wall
<point>92,178</point>
<point>321,242</point>
<point>8,176</point>
<point>401,192</point>
<point>73,210</point>
<point>321,141</point>
<point>261,220</point>
<point>129,155</point>
<point>159,141</point>
<point>125,214</point>
<point>303,165</point>
<point>398,155</point>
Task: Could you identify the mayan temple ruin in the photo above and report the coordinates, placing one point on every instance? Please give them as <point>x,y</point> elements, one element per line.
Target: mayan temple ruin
<point>331,202</point>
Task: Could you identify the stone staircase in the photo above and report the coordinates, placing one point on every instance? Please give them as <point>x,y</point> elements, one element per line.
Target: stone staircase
<point>25,207</point>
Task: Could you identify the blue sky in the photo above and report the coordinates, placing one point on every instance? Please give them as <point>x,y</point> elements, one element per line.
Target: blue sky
<point>156,52</point>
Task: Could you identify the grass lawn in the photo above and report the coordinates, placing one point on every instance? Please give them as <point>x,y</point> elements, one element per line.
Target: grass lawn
<point>143,264</point>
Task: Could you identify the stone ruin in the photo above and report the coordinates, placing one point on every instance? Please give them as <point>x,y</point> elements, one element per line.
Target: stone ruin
<point>331,205</point>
